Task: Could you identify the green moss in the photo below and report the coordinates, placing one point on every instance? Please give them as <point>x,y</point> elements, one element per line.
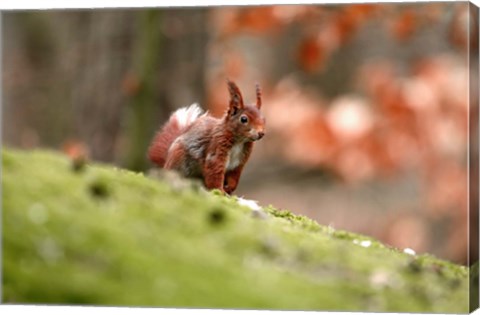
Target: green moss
<point>107,236</point>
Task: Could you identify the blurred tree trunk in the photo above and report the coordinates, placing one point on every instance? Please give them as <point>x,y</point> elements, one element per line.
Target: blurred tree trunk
<point>77,69</point>
<point>169,60</point>
<point>147,55</point>
<point>29,70</point>
<point>103,42</point>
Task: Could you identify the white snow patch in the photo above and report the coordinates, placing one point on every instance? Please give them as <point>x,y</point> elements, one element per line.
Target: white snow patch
<point>252,204</point>
<point>409,251</point>
<point>366,243</point>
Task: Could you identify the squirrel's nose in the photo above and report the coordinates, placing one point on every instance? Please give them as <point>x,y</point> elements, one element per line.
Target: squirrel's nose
<point>260,135</point>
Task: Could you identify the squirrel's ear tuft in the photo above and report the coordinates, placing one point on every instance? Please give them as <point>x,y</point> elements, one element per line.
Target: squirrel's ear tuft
<point>236,101</point>
<point>259,95</point>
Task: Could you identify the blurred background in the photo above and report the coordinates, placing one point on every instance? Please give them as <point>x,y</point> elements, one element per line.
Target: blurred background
<point>366,104</point>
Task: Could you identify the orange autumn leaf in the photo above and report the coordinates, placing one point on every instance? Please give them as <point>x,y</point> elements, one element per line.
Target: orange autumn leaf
<point>311,142</point>
<point>255,20</point>
<point>364,10</point>
<point>311,55</point>
<point>346,24</point>
<point>349,19</point>
<point>404,25</point>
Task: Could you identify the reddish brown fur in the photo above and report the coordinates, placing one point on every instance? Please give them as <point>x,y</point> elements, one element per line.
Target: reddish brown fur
<point>157,152</point>
<point>215,150</point>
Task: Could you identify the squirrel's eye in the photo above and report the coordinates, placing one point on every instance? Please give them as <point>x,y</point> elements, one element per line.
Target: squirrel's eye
<point>243,119</point>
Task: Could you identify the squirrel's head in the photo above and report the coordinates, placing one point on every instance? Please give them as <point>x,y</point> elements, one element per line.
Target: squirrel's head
<point>245,121</point>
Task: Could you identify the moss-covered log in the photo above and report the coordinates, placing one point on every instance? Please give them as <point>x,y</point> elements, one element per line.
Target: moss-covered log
<point>107,236</point>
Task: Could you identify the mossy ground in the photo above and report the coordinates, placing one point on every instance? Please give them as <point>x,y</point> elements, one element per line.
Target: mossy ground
<point>107,236</point>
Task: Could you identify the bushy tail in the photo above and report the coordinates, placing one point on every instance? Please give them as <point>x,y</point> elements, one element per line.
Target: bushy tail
<point>174,127</point>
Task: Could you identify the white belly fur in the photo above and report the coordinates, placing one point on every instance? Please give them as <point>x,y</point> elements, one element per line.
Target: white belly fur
<point>234,157</point>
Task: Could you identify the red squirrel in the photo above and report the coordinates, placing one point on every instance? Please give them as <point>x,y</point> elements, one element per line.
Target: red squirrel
<point>214,150</point>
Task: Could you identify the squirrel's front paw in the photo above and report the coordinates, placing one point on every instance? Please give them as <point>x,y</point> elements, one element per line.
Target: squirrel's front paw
<point>228,190</point>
